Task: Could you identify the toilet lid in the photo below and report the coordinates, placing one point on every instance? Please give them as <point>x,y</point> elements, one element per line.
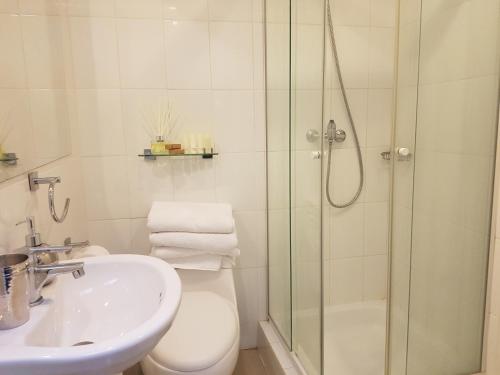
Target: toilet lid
<point>204,330</point>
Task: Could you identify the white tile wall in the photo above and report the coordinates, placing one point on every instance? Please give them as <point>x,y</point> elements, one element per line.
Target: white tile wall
<point>189,66</point>
<point>95,52</point>
<point>194,181</point>
<point>102,8</point>
<point>99,116</point>
<point>9,6</point>
<point>308,57</point>
<point>346,280</point>
<point>234,125</point>
<point>231,55</point>
<point>186,10</point>
<point>351,13</point>
<point>141,49</point>
<point>45,51</point>
<point>206,57</point>
<point>12,71</point>
<point>106,187</point>
<point>136,9</point>
<point>50,118</point>
<point>41,7</point>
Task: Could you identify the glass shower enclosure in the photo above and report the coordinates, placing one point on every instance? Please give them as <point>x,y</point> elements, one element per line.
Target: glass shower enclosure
<point>294,56</point>
<point>392,281</point>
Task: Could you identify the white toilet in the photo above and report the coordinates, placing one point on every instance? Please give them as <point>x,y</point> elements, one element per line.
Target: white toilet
<point>205,336</point>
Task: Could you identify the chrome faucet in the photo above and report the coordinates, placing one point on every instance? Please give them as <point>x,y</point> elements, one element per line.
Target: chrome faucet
<point>42,273</point>
<point>333,134</point>
<point>39,272</point>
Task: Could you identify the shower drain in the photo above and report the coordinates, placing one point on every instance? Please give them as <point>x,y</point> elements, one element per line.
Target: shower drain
<point>81,343</point>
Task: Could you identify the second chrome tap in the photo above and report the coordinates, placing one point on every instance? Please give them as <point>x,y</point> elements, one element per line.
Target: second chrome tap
<point>40,270</point>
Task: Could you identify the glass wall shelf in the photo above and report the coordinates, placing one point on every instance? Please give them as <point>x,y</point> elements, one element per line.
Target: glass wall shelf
<point>148,155</point>
<point>9,158</point>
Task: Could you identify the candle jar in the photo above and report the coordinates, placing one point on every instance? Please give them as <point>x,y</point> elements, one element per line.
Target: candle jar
<point>159,146</point>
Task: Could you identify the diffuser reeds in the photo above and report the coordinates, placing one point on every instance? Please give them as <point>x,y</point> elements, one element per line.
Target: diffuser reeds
<point>160,121</point>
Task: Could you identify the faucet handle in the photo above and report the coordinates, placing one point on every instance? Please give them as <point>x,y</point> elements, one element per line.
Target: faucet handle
<point>69,242</point>
<point>77,269</point>
<point>49,249</point>
<point>42,272</point>
<point>30,221</point>
<point>33,238</point>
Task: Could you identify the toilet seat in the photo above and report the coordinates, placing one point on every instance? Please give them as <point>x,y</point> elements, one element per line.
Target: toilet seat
<point>204,331</point>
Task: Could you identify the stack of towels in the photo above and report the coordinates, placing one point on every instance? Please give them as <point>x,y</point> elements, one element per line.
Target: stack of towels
<point>193,235</point>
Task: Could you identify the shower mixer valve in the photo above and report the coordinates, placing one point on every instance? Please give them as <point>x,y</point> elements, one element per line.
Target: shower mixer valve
<point>333,134</point>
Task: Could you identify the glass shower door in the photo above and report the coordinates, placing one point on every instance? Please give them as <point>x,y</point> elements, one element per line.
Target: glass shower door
<point>307,38</point>
<point>294,117</point>
<point>447,106</point>
<point>402,189</point>
<point>278,164</point>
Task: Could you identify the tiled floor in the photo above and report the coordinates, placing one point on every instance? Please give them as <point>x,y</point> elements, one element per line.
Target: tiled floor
<point>249,363</point>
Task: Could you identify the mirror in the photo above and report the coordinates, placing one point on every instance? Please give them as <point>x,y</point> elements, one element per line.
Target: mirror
<point>34,91</point>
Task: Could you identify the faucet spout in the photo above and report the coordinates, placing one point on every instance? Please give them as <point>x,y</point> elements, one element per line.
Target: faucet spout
<point>59,269</point>
<point>41,273</point>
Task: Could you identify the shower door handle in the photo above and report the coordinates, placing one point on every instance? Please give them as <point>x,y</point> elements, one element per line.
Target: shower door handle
<point>403,153</point>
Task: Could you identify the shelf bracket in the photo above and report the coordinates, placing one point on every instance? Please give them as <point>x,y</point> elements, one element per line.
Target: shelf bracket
<point>9,158</point>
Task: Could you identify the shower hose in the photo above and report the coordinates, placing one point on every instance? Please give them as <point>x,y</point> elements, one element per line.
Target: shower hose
<point>351,123</point>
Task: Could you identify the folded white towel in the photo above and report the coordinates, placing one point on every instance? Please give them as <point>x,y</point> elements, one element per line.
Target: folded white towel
<point>176,252</point>
<point>208,242</point>
<point>197,260</point>
<point>191,217</point>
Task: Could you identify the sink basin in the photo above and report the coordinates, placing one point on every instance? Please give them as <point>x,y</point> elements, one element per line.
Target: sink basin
<point>115,314</point>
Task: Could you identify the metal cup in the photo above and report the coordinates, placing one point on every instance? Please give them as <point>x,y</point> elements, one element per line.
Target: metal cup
<point>14,290</point>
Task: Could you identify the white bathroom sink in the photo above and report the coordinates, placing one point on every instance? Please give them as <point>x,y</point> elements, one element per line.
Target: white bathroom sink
<point>123,305</point>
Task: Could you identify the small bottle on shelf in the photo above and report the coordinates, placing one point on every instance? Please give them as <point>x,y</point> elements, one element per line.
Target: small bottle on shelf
<point>159,146</point>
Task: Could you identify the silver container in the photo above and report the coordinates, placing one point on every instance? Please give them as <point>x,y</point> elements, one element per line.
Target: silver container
<point>14,290</point>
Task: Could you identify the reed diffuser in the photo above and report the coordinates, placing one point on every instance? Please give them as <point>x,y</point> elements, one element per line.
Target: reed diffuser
<point>159,123</point>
